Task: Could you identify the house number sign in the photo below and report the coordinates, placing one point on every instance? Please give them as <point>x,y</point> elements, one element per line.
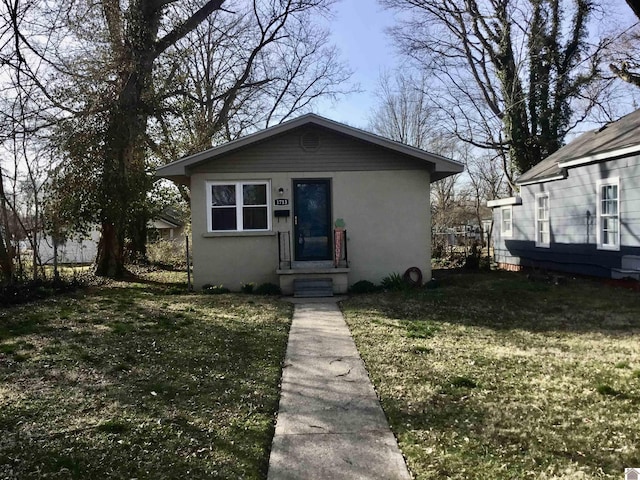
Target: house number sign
<point>281,202</point>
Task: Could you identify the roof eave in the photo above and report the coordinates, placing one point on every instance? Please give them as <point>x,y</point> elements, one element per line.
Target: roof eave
<point>533,181</point>
<point>597,157</point>
<point>179,167</point>
<point>504,202</point>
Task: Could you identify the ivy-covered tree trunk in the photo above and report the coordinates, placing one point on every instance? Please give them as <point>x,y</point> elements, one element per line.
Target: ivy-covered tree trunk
<point>135,44</point>
<point>517,74</point>
<point>123,179</point>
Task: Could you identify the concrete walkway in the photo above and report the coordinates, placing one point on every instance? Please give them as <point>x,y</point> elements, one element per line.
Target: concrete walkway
<point>330,423</point>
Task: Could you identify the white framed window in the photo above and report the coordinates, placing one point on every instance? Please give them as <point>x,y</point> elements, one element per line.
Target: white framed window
<point>238,206</point>
<point>506,221</point>
<point>543,231</point>
<point>608,210</point>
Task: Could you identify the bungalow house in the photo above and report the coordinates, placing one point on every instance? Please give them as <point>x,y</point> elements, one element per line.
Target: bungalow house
<point>578,210</point>
<point>309,202</point>
<point>166,225</point>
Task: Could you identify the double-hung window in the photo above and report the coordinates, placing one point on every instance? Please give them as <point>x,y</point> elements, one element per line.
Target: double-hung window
<point>543,232</point>
<point>506,221</point>
<point>609,214</point>
<point>238,206</point>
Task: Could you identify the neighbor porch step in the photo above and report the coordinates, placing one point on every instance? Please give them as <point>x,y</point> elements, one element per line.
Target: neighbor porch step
<point>620,273</point>
<point>312,287</point>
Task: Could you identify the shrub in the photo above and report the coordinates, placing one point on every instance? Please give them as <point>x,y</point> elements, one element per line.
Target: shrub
<point>247,287</point>
<point>268,289</point>
<point>363,286</point>
<point>214,289</point>
<point>167,254</point>
<point>394,282</point>
<point>28,291</point>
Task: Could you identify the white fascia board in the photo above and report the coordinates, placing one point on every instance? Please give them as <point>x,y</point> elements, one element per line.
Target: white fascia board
<point>503,202</point>
<point>541,180</point>
<point>621,152</point>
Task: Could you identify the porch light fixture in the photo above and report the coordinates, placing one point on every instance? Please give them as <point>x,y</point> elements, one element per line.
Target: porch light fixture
<point>281,191</point>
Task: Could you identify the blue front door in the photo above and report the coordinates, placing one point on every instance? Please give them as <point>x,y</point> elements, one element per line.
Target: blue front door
<point>312,219</point>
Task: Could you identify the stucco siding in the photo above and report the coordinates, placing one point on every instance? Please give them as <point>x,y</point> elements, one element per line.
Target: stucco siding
<point>284,153</point>
<point>573,221</point>
<point>387,219</point>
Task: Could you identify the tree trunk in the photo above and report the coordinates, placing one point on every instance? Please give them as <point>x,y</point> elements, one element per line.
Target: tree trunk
<point>109,260</point>
<point>137,247</point>
<point>6,250</point>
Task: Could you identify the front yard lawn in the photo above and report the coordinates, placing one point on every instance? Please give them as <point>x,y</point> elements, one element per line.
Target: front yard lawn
<point>495,376</point>
<point>140,380</point>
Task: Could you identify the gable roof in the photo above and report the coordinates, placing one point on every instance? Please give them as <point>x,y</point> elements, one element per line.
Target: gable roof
<point>614,140</point>
<point>178,170</point>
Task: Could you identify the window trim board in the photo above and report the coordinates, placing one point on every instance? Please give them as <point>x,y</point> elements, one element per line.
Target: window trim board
<point>599,184</point>
<point>239,206</point>
<point>537,220</point>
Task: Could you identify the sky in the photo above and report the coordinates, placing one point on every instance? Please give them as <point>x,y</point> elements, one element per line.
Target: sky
<point>358,30</point>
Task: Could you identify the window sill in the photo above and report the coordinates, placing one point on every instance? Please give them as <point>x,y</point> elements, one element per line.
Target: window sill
<point>269,233</point>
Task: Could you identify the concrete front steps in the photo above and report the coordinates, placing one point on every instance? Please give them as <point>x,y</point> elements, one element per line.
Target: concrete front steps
<point>630,268</point>
<point>312,287</point>
<point>313,279</point>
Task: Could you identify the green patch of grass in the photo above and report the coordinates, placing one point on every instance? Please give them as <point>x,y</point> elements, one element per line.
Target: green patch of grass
<point>420,329</point>
<point>113,426</point>
<point>604,389</point>
<point>134,379</point>
<point>496,375</point>
<point>462,382</point>
<point>8,348</point>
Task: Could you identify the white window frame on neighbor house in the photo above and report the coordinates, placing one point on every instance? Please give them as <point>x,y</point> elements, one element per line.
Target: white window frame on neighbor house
<point>543,224</point>
<point>607,213</point>
<point>506,232</point>
<point>239,205</point>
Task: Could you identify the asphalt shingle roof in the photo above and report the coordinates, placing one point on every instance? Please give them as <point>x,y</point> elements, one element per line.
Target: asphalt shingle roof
<point>610,138</point>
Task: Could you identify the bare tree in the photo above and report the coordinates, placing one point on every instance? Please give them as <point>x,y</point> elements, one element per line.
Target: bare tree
<point>404,112</point>
<point>624,62</point>
<point>104,62</point>
<point>237,74</point>
<point>511,73</point>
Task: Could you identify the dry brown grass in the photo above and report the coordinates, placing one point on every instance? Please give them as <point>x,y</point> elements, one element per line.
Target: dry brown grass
<point>495,376</point>
<point>140,380</point>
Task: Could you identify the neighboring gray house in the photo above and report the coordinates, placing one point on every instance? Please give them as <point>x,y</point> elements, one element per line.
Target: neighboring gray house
<point>579,209</point>
<point>309,200</point>
<point>166,226</point>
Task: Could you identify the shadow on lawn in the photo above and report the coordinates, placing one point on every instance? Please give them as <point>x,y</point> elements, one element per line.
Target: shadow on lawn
<point>511,301</point>
<point>127,387</point>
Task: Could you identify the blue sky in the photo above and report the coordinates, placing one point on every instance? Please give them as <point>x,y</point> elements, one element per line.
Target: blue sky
<point>358,31</point>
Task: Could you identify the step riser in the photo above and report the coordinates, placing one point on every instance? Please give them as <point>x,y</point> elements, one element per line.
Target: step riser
<point>312,287</point>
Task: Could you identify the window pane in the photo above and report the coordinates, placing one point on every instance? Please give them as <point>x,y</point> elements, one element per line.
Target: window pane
<point>254,218</point>
<point>223,219</point>
<point>223,195</point>
<point>254,194</point>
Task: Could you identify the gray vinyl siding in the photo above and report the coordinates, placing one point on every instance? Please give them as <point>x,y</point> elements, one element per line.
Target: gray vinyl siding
<point>336,152</point>
<point>573,221</point>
